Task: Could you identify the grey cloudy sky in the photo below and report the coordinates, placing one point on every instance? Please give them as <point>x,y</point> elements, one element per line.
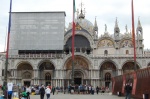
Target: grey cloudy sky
<point>105,11</point>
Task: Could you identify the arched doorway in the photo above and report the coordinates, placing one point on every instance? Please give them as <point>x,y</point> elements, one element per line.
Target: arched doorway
<point>107,79</point>
<point>107,70</point>
<point>46,72</point>
<point>24,74</point>
<point>81,69</point>
<point>78,76</point>
<point>48,78</point>
<point>129,67</point>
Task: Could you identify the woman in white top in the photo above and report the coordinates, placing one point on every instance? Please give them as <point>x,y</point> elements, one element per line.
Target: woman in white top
<point>28,91</point>
<point>48,91</point>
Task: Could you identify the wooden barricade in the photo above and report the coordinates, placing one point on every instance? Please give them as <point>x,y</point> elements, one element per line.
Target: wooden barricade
<point>139,79</point>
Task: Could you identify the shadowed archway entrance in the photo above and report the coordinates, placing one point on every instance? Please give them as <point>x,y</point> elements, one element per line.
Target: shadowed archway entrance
<point>107,70</point>
<point>46,72</point>
<point>24,73</point>
<point>129,67</point>
<point>81,68</point>
<point>78,76</point>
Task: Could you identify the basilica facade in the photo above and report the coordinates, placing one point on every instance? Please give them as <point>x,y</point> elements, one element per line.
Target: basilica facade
<point>97,59</point>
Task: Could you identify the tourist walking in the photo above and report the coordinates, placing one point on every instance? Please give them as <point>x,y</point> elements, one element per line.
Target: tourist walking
<point>97,89</point>
<point>48,91</point>
<point>53,90</point>
<point>42,92</point>
<point>128,89</point>
<point>28,91</point>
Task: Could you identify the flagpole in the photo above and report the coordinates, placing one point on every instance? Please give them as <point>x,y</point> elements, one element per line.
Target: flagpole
<point>73,33</point>
<point>7,47</point>
<point>133,35</point>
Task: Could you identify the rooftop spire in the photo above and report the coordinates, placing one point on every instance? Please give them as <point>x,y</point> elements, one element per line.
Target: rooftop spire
<point>116,29</point>
<point>116,22</point>
<point>77,13</point>
<point>105,28</point>
<point>139,23</point>
<point>81,16</point>
<point>126,27</point>
<point>95,25</point>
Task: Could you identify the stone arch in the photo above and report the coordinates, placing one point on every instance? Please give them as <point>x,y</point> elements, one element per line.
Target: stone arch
<point>27,75</point>
<point>46,70</point>
<point>80,62</point>
<point>81,33</point>
<point>128,66</point>
<point>109,42</point>
<point>82,72</point>
<point>107,79</point>
<point>81,44</point>
<point>81,66</point>
<point>83,55</point>
<point>48,61</point>
<point>110,62</point>
<point>80,76</point>
<point>48,78</point>
<point>23,62</point>
<point>107,66</point>
<point>126,42</point>
<point>148,65</point>
<point>24,70</point>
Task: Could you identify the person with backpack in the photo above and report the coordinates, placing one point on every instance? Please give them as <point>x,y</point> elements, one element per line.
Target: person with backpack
<point>24,95</point>
<point>28,91</point>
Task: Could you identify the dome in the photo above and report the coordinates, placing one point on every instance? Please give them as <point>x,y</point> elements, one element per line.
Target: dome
<point>84,23</point>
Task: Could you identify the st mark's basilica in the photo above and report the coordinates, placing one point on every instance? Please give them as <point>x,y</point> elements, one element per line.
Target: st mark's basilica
<point>40,50</point>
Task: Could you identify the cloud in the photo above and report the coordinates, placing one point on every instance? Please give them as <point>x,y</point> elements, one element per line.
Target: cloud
<point>106,12</point>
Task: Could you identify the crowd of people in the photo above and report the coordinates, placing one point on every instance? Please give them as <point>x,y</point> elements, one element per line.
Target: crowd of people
<point>25,91</point>
<point>87,89</point>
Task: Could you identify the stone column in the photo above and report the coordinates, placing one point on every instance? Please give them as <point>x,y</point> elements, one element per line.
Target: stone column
<point>120,71</point>
<point>60,83</point>
<point>15,72</point>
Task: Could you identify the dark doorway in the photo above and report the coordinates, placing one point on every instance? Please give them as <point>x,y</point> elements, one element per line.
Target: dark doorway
<point>27,83</point>
<point>77,81</point>
<point>47,83</point>
<point>107,84</point>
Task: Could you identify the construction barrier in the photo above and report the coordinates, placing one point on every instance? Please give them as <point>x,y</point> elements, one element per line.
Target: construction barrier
<point>140,80</point>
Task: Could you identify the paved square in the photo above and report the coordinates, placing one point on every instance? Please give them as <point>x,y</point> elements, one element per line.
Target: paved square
<point>78,96</point>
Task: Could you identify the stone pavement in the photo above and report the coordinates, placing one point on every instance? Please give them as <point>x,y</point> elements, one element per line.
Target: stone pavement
<point>78,96</point>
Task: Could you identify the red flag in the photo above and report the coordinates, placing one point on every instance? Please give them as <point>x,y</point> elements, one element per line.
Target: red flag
<point>73,29</point>
<point>133,31</point>
<point>9,25</point>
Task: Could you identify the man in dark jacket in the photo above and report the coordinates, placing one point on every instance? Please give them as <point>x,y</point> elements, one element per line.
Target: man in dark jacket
<point>128,89</point>
<point>42,92</point>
